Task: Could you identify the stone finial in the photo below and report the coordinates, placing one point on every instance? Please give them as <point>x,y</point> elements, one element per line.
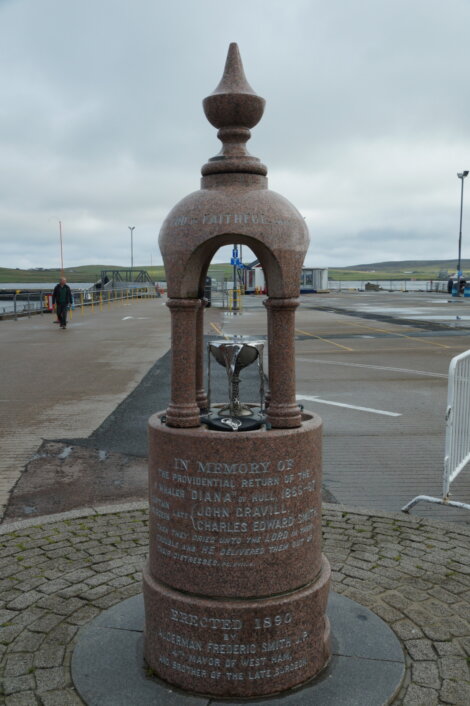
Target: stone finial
<point>234,108</point>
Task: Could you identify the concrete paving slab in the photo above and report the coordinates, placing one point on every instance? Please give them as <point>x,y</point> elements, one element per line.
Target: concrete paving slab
<point>323,693</point>
<point>120,679</point>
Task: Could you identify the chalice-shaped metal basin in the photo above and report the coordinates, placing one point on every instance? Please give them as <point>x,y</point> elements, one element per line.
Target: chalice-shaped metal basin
<point>234,355</point>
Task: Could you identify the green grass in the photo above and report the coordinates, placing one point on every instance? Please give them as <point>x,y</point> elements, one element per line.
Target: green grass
<point>87,273</point>
<point>400,270</point>
<point>347,275</point>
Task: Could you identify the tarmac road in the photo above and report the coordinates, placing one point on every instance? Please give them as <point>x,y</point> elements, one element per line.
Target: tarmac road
<point>377,377</point>
<point>65,383</point>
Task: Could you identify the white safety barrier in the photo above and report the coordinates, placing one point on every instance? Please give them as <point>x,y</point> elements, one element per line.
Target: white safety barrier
<point>457,446</point>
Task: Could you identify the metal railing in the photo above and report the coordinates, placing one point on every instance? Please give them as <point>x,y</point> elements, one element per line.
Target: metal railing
<point>457,444</point>
<point>235,300</point>
<point>388,285</point>
<point>39,302</point>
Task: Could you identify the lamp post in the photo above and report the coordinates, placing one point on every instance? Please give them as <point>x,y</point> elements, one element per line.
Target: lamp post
<point>461,176</point>
<point>131,228</point>
<point>60,244</point>
<point>61,250</point>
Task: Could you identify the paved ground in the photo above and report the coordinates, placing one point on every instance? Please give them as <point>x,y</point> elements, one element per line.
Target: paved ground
<point>111,463</point>
<point>60,573</point>
<point>386,364</point>
<point>360,359</point>
<point>58,383</point>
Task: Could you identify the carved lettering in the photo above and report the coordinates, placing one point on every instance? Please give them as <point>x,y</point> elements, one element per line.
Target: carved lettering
<point>229,512</point>
<point>203,621</point>
<point>227,219</point>
<point>227,468</point>
<point>194,651</point>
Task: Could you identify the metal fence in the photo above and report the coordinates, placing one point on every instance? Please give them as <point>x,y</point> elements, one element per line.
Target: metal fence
<point>457,444</point>
<point>39,302</point>
<point>386,285</point>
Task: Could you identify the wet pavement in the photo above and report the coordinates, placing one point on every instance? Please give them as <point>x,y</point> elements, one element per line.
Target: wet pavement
<point>111,463</point>
<point>453,312</point>
<point>378,381</point>
<point>58,383</point>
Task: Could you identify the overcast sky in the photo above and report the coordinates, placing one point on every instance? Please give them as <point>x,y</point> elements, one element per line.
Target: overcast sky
<point>366,125</point>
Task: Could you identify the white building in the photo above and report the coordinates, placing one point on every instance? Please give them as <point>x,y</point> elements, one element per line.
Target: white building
<point>313,279</point>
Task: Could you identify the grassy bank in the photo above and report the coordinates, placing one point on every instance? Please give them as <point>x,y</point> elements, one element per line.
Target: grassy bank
<point>399,270</point>
<point>403,270</point>
<point>85,273</point>
<point>347,275</point>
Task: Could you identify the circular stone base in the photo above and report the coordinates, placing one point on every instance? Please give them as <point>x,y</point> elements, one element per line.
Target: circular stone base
<point>366,669</point>
<point>185,644</point>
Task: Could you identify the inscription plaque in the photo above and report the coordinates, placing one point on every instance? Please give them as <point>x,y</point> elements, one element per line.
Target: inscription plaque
<point>226,647</point>
<point>225,219</point>
<point>260,517</point>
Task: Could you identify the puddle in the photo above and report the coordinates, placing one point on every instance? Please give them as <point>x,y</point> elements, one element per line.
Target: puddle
<point>36,457</point>
<point>432,317</point>
<point>29,509</point>
<point>391,310</point>
<point>65,453</point>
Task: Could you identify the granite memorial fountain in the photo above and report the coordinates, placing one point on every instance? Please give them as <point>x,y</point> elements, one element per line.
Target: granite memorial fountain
<point>235,569</point>
<point>235,588</point>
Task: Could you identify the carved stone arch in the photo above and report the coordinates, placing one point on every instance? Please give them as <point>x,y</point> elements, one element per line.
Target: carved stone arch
<point>233,205</point>
<point>198,262</point>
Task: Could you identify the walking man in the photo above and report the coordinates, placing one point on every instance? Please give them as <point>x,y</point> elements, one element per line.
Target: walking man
<point>62,299</point>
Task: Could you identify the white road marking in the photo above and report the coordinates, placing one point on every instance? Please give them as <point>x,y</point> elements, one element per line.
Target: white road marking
<point>313,398</point>
<point>124,318</point>
<point>374,367</point>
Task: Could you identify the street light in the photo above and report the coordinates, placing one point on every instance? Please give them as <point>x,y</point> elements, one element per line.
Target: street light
<point>61,244</point>
<point>131,228</point>
<point>461,176</point>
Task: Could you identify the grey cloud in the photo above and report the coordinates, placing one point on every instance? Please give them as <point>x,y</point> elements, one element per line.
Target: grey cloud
<point>101,121</point>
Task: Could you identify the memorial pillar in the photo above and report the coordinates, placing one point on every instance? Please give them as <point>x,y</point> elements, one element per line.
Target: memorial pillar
<point>183,410</point>
<point>235,585</point>
<point>283,411</point>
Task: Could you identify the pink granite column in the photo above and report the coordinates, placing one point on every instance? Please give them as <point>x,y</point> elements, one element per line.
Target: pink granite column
<point>201,396</point>
<point>283,411</point>
<point>183,410</point>
<point>267,396</point>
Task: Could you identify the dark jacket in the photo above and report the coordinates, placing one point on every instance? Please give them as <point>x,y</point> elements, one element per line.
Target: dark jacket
<point>56,294</point>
